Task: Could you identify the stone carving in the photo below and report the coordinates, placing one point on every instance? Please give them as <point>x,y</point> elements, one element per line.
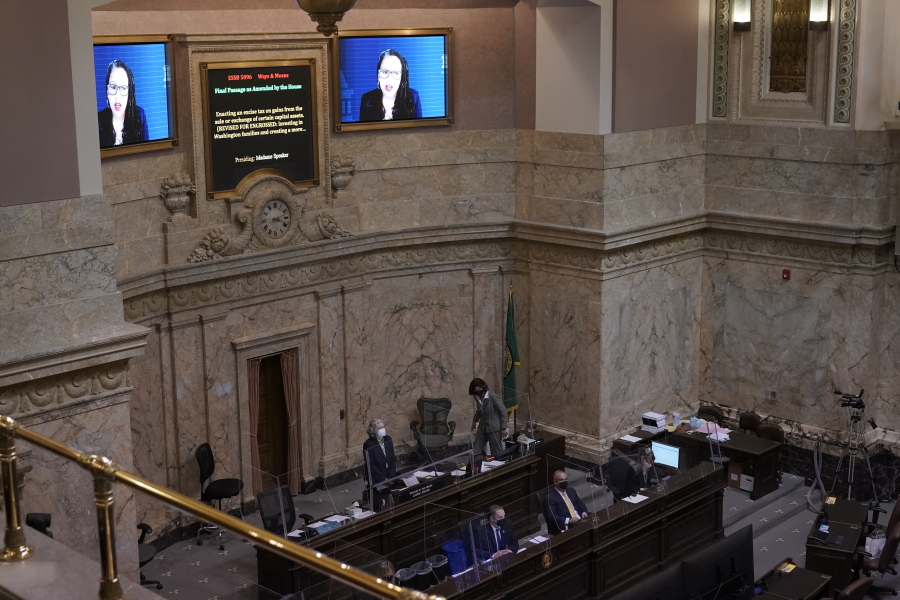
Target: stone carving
<point>720,59</point>
<point>323,226</point>
<point>846,43</point>
<point>62,389</point>
<point>176,193</point>
<point>789,47</point>
<point>218,244</point>
<point>342,171</point>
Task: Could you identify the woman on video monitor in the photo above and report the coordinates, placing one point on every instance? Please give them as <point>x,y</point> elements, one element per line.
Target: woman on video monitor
<point>122,121</point>
<point>393,99</point>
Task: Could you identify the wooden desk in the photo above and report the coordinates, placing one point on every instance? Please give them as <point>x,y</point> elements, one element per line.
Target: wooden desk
<point>761,454</point>
<point>617,550</point>
<point>799,584</point>
<point>645,437</point>
<point>845,518</point>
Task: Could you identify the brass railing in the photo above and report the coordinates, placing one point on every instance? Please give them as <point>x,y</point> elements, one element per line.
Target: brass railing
<point>105,473</point>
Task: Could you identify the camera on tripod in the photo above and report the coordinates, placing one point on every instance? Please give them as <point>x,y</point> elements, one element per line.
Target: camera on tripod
<point>851,400</point>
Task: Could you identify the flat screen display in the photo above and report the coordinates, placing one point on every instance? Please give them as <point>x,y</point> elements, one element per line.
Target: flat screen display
<point>392,79</point>
<point>133,86</point>
<point>665,454</point>
<point>259,115</point>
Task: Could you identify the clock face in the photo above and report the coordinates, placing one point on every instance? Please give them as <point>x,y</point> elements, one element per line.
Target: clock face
<point>275,219</point>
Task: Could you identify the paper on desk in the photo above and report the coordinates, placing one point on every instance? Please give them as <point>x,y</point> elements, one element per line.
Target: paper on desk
<point>338,518</point>
<point>709,427</point>
<point>364,514</point>
<point>521,550</point>
<point>457,473</point>
<point>719,437</point>
<point>538,539</point>
<point>630,438</point>
<point>425,474</point>
<point>635,499</point>
<point>296,533</point>
<point>410,481</point>
<point>317,524</point>
<point>492,463</point>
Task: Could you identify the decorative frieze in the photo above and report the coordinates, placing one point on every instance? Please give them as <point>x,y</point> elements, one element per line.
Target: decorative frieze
<point>66,388</point>
<point>844,76</point>
<point>720,58</point>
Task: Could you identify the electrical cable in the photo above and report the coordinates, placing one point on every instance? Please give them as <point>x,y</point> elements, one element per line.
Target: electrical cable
<point>817,467</point>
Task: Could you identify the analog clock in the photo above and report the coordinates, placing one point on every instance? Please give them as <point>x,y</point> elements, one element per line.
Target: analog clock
<point>275,219</point>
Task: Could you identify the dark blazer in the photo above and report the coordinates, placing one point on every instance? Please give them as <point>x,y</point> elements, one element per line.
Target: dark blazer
<point>370,107</point>
<point>380,467</point>
<point>486,541</point>
<point>108,134</point>
<point>492,416</point>
<point>558,508</point>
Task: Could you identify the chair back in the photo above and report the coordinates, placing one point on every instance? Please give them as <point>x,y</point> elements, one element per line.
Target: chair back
<point>713,413</point>
<point>890,549</point>
<point>434,412</point>
<point>277,510</point>
<point>895,516</point>
<point>770,431</point>
<point>206,461</point>
<point>856,590</point>
<point>749,421</point>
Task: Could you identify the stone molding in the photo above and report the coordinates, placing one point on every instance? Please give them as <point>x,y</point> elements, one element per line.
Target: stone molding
<point>589,254</point>
<point>844,64</point>
<point>62,390</point>
<point>721,42</point>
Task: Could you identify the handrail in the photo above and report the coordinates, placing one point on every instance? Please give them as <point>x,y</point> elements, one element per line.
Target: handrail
<point>105,473</point>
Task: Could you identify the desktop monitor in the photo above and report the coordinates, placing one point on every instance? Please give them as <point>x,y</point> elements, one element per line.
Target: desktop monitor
<point>722,569</point>
<point>665,454</point>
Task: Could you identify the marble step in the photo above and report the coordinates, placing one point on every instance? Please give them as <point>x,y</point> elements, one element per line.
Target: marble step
<point>767,512</point>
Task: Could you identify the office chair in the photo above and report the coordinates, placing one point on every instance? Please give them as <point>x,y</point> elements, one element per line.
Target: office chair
<point>892,520</point>
<point>40,522</point>
<point>216,490</point>
<point>882,564</point>
<point>856,590</point>
<point>146,552</point>
<point>749,421</point>
<point>434,432</point>
<point>276,507</point>
<point>770,431</point>
<point>712,413</point>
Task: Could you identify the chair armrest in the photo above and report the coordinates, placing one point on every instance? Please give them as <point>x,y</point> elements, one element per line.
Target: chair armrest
<point>306,518</point>
<point>145,530</point>
<point>414,425</point>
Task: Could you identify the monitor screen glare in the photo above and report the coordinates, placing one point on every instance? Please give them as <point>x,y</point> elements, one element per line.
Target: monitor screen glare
<point>665,454</point>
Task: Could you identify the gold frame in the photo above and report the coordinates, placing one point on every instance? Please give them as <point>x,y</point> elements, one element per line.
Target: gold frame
<point>334,47</point>
<point>313,119</point>
<point>172,140</point>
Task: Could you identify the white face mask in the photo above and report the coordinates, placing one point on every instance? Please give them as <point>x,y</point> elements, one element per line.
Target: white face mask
<point>382,432</point>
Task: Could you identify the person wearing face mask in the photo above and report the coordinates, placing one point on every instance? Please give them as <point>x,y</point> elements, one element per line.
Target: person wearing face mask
<point>496,537</point>
<point>378,452</point>
<point>489,421</point>
<point>565,505</point>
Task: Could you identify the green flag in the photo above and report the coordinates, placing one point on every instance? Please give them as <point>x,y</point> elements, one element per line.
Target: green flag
<point>511,358</point>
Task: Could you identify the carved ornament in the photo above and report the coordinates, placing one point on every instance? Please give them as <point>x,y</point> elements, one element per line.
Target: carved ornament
<point>51,392</point>
<point>176,193</point>
<point>342,171</point>
<point>720,58</point>
<point>844,76</point>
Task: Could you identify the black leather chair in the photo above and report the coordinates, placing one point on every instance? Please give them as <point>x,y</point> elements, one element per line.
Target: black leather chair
<point>39,522</point>
<point>434,432</point>
<point>216,490</point>
<point>276,508</point>
<point>749,421</point>
<point>893,520</point>
<point>882,564</point>
<point>856,590</point>
<point>146,552</point>
<point>712,413</point>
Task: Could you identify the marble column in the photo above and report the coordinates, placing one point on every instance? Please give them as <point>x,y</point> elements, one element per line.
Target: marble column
<point>332,378</point>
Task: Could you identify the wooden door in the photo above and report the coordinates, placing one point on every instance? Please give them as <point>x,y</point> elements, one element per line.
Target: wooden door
<point>272,427</point>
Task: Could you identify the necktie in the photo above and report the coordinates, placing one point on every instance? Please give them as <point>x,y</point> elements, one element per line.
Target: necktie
<point>499,541</point>
<point>572,513</point>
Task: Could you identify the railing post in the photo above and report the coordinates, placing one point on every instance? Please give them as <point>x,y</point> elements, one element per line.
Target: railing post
<point>14,547</point>
<point>104,472</point>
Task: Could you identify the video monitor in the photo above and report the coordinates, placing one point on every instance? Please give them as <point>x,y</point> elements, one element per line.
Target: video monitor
<point>392,78</point>
<point>665,454</point>
<point>134,91</point>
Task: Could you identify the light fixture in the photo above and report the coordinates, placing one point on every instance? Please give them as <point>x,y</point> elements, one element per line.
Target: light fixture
<point>326,13</point>
<point>818,15</point>
<point>742,15</point>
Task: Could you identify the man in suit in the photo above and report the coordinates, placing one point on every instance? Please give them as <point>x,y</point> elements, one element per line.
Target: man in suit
<point>378,452</point>
<point>489,422</point>
<point>496,537</point>
<point>566,508</point>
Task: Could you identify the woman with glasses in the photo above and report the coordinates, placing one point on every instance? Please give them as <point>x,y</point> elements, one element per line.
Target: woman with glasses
<point>393,99</point>
<point>122,121</point>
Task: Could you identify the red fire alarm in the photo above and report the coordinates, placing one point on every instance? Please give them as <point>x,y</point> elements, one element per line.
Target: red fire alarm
<point>786,274</point>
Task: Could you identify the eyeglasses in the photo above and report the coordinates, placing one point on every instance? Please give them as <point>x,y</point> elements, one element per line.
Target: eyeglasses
<point>114,89</point>
<point>384,73</point>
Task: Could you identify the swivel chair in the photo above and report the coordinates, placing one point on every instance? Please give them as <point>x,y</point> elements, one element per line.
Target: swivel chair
<point>216,491</point>
<point>40,522</point>
<point>276,508</point>
<point>146,552</point>
<point>882,564</point>
<point>749,421</point>
<point>856,590</point>
<point>892,520</point>
<point>712,413</point>
<point>434,432</point>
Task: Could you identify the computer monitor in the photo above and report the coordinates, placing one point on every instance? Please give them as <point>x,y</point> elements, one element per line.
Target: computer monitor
<point>665,454</point>
<point>722,569</point>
